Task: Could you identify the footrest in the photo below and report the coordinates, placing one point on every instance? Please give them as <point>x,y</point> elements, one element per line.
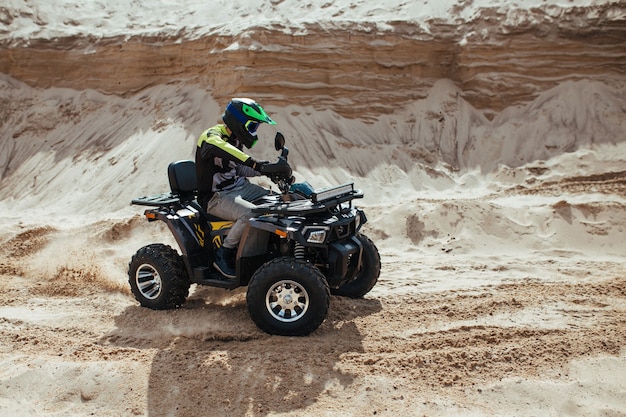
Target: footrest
<point>205,275</point>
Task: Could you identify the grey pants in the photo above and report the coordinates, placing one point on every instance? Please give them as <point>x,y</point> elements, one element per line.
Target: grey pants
<point>235,205</point>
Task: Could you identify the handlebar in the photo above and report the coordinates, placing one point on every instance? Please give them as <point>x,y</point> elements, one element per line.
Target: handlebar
<point>281,174</point>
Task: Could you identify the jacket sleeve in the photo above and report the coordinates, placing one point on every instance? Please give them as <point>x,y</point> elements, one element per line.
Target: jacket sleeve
<point>246,171</point>
<point>212,145</point>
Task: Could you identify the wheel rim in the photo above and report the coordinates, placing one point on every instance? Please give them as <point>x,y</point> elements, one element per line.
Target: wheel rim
<point>148,281</point>
<point>287,301</point>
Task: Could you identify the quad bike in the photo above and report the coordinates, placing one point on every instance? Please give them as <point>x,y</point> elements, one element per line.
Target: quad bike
<point>301,246</point>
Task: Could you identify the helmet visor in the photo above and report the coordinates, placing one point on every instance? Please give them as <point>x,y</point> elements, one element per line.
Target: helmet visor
<point>252,126</point>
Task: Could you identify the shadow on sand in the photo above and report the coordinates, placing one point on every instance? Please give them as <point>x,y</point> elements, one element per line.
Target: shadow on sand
<point>210,359</point>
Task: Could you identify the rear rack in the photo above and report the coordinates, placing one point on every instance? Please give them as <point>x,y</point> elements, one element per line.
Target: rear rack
<point>156,200</point>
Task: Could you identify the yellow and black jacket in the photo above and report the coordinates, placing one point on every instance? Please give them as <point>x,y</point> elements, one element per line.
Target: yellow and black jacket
<point>220,164</point>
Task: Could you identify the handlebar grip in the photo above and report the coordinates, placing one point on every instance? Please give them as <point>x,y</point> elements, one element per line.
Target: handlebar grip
<point>281,168</point>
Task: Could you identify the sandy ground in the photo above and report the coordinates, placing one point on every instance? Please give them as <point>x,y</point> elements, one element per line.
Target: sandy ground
<point>447,331</point>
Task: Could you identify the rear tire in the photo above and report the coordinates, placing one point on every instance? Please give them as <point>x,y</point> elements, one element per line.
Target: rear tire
<point>368,274</point>
<point>158,278</point>
<point>288,297</point>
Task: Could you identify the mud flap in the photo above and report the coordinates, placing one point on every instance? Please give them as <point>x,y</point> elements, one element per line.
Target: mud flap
<point>344,258</point>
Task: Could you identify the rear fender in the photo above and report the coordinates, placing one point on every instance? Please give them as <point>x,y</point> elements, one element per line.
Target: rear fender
<point>189,232</point>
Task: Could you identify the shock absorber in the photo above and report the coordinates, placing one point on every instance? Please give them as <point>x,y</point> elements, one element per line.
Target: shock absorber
<point>298,251</point>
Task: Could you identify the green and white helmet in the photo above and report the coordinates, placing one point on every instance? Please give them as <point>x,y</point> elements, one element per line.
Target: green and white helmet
<point>243,117</point>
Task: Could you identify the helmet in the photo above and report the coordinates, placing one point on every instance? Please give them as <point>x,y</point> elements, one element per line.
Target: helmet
<point>243,117</point>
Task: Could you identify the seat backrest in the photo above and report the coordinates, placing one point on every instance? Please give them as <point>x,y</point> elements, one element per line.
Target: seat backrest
<point>182,176</point>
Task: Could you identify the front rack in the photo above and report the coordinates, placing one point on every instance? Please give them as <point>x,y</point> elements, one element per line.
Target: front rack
<point>321,201</point>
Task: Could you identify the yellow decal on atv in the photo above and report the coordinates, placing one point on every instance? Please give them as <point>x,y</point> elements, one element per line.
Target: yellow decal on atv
<point>199,234</point>
<point>217,239</point>
<point>221,225</point>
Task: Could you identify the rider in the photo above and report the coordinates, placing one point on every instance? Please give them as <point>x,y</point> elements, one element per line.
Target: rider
<point>223,168</point>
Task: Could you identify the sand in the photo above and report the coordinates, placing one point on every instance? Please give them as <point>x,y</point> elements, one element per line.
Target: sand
<point>501,230</point>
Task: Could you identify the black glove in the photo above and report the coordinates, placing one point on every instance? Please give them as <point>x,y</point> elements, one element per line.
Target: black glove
<point>258,165</point>
<point>279,169</point>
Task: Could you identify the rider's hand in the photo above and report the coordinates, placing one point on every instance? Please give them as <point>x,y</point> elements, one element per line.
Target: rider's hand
<point>280,169</point>
<point>258,165</point>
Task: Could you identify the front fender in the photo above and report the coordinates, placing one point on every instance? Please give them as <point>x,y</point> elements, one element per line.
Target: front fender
<point>344,260</point>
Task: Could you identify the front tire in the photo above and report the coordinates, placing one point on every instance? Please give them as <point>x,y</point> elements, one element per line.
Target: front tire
<point>158,278</point>
<point>368,274</point>
<point>288,297</point>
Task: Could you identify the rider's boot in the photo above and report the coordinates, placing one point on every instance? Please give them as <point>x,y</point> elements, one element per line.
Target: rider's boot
<point>225,262</point>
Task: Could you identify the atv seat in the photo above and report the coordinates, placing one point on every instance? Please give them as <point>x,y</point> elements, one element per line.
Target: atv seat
<point>184,185</point>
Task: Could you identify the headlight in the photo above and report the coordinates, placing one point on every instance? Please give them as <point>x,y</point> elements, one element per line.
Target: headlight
<point>316,235</point>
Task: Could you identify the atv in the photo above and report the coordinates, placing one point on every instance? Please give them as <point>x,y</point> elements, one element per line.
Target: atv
<point>301,246</point>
